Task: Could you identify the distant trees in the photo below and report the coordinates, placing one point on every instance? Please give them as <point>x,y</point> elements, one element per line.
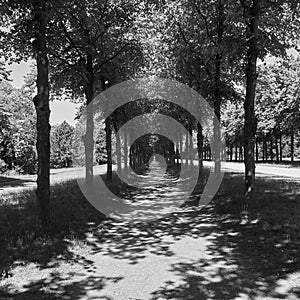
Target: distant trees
<point>61,141</point>
<point>17,129</point>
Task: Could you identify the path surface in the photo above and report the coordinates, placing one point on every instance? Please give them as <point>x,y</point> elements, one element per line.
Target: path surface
<point>276,170</point>
<point>17,183</point>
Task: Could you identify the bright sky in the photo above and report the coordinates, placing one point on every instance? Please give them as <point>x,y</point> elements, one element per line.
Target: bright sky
<point>60,110</point>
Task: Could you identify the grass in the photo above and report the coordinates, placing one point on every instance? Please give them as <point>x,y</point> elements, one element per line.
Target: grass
<point>273,218</point>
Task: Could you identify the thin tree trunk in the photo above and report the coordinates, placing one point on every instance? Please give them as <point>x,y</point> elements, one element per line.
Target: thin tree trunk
<point>256,149</point>
<point>180,146</point>
<point>108,132</point>
<point>187,149</point>
<point>191,146</point>
<point>41,102</point>
<point>276,149</point>
<point>265,149</point>
<point>271,147</point>
<point>251,80</point>
<point>125,150</point>
<point>280,146</point>
<point>231,151</point>
<point>292,144</point>
<point>118,150</point>
<point>200,145</point>
<point>236,150</point>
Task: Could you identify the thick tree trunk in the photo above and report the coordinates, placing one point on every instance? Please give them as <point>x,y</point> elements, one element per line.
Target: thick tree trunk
<point>41,102</point>
<point>89,135</point>
<point>108,149</point>
<point>251,80</point>
<point>217,87</point>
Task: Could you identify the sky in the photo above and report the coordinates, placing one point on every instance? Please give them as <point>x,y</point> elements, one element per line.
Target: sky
<point>60,110</point>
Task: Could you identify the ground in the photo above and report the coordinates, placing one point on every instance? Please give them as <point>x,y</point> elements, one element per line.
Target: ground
<point>191,253</point>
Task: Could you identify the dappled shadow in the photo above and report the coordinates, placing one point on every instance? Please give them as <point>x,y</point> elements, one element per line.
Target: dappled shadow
<point>6,182</point>
<point>256,259</point>
<point>56,286</point>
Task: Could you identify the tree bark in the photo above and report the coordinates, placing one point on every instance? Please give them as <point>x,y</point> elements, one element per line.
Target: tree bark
<point>276,149</point>
<point>251,80</point>
<point>89,135</point>
<point>256,149</point>
<point>108,149</point>
<point>200,145</point>
<point>41,102</point>
<point>271,147</point>
<point>191,150</point>
<point>125,150</point>
<point>280,146</point>
<point>118,150</point>
<point>217,87</point>
<point>187,152</point>
<point>236,150</point>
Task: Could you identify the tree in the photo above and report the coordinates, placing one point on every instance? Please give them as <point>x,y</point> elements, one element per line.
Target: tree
<point>62,145</point>
<point>26,36</point>
<point>91,47</point>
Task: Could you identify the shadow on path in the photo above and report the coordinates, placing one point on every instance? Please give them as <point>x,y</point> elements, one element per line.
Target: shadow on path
<point>256,260</point>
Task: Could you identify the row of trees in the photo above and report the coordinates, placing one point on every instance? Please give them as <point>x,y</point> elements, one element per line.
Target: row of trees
<point>87,46</point>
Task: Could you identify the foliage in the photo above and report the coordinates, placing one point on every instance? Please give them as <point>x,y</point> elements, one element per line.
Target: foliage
<point>62,145</point>
<point>17,125</point>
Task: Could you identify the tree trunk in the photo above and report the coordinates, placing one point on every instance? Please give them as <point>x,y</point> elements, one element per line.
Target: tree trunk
<point>180,146</point>
<point>41,102</point>
<point>187,149</point>
<point>292,144</point>
<point>251,80</point>
<point>89,135</point>
<point>217,87</point>
<point>256,149</point>
<point>191,148</point>
<point>265,152</point>
<point>108,149</point>
<point>125,150</point>
<point>280,146</point>
<point>236,150</point>
<point>200,145</point>
<point>271,147</point>
<point>118,150</point>
<point>276,149</point>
